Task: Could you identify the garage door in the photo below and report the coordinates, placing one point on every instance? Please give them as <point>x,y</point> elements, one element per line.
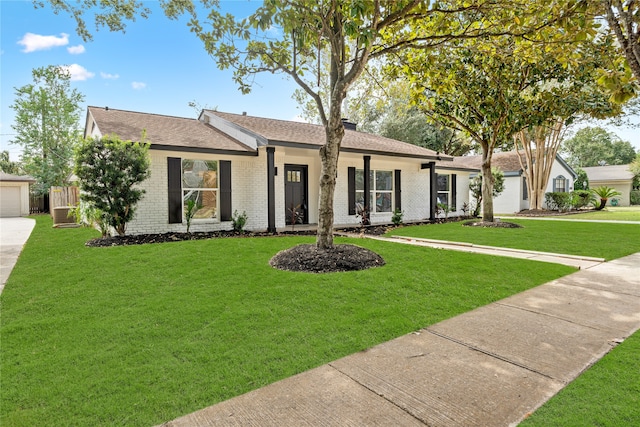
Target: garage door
<point>9,201</point>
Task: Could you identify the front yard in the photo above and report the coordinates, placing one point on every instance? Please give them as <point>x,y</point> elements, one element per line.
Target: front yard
<point>139,335</point>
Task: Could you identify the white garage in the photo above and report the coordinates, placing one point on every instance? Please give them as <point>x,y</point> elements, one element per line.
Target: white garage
<point>14,195</point>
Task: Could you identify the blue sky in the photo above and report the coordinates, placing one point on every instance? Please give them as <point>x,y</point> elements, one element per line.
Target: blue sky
<point>157,66</point>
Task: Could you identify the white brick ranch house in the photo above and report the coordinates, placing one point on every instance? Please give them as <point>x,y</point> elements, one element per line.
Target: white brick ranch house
<point>269,168</point>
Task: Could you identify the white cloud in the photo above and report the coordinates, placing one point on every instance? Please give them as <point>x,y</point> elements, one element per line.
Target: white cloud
<point>33,42</point>
<point>109,76</point>
<point>138,85</point>
<point>78,72</point>
<point>76,50</point>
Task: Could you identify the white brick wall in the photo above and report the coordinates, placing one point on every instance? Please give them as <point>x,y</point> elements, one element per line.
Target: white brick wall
<point>249,190</point>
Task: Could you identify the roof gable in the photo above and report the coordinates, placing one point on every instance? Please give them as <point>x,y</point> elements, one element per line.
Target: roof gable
<point>164,132</point>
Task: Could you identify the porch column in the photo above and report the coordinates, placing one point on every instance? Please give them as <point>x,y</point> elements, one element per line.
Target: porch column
<point>271,190</point>
<point>433,190</point>
<point>367,185</point>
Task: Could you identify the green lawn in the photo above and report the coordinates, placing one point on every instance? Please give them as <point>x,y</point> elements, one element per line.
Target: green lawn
<point>140,335</point>
<point>608,394</point>
<point>610,213</point>
<point>606,240</point>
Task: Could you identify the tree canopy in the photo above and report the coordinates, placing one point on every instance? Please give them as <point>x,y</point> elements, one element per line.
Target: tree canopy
<point>593,146</point>
<point>47,126</point>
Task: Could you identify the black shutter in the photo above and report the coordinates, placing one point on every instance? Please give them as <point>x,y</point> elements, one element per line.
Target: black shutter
<point>225,190</point>
<point>454,191</point>
<point>397,189</point>
<point>174,175</point>
<point>351,190</point>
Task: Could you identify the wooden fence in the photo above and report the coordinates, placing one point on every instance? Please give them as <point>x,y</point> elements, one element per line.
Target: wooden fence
<point>62,197</point>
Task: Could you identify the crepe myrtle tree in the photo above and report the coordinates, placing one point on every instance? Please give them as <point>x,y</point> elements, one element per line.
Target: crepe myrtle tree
<point>109,170</point>
<point>289,37</point>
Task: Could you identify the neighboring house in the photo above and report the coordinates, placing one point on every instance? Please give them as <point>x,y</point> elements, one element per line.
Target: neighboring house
<point>514,198</point>
<point>14,195</point>
<point>618,177</point>
<point>270,169</point>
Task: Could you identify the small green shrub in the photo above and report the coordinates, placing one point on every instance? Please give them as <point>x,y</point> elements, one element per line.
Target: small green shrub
<point>396,218</point>
<point>87,215</point>
<point>190,211</point>
<point>239,220</point>
<point>558,201</point>
<point>444,208</point>
<point>580,198</point>
<point>635,197</point>
<point>604,193</point>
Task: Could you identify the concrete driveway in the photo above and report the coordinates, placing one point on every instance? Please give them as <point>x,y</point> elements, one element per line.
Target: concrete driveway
<point>14,233</point>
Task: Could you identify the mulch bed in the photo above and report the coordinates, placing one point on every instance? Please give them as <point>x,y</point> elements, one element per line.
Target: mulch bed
<point>487,224</point>
<point>308,258</point>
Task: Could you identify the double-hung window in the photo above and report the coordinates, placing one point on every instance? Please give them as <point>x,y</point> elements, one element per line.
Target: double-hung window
<point>560,184</point>
<point>380,187</point>
<point>444,189</point>
<point>200,184</point>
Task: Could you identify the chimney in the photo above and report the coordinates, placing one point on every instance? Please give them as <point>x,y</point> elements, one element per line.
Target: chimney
<point>244,113</point>
<point>348,125</point>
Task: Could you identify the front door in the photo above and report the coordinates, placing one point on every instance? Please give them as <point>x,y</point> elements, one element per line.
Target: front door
<point>295,194</point>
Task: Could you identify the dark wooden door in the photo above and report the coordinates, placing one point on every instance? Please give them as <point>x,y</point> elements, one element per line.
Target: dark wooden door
<point>295,194</point>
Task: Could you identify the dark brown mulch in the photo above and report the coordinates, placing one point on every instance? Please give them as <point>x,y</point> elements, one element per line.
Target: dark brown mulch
<point>308,258</point>
<point>140,239</point>
<point>487,224</point>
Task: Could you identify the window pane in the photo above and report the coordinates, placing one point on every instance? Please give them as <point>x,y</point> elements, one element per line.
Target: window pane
<point>359,180</point>
<point>443,198</point>
<point>384,180</point>
<point>360,197</point>
<point>199,173</point>
<point>206,201</point>
<point>443,182</point>
<point>383,202</point>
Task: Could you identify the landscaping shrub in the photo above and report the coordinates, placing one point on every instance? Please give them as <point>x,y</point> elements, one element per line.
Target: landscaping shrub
<point>580,198</point>
<point>558,201</point>
<point>239,220</point>
<point>635,197</point>
<point>396,218</point>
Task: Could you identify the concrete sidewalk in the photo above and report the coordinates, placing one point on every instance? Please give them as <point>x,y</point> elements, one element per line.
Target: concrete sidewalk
<point>577,261</point>
<point>14,233</point>
<point>489,367</point>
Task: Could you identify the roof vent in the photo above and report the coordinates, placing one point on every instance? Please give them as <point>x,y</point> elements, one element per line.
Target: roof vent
<point>348,125</point>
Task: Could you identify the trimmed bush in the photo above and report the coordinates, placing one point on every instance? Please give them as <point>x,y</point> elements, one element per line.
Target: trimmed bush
<point>560,201</point>
<point>635,197</point>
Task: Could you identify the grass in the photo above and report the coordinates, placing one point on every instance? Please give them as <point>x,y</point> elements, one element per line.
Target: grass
<point>610,213</point>
<point>606,240</point>
<point>608,394</point>
<point>140,335</point>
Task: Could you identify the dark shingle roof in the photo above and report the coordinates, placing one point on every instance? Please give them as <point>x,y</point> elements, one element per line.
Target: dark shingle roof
<point>506,161</point>
<point>282,131</point>
<point>165,131</point>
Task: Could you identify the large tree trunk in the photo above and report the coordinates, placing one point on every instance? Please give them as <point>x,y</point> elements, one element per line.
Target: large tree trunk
<point>329,171</point>
<point>487,184</point>
<point>536,154</point>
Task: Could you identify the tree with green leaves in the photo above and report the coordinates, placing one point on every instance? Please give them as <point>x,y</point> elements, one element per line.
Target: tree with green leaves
<point>47,126</point>
<point>288,37</point>
<point>8,166</point>
<point>593,146</point>
<point>109,171</point>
